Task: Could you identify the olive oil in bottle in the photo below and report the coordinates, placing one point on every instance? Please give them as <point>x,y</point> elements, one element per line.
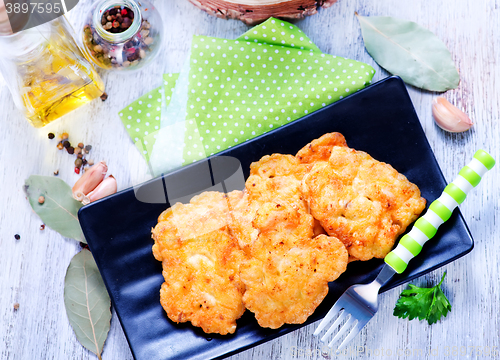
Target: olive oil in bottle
<point>46,72</point>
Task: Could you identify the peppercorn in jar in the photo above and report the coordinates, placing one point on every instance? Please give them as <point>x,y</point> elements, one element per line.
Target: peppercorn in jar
<point>122,34</point>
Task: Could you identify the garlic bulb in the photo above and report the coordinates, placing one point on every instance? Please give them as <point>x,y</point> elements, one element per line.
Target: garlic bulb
<point>449,117</point>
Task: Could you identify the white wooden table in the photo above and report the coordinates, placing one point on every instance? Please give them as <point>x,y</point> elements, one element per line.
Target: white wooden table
<point>33,268</point>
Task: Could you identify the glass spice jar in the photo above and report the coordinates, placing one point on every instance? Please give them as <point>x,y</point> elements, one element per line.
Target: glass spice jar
<point>122,34</point>
<point>46,72</point>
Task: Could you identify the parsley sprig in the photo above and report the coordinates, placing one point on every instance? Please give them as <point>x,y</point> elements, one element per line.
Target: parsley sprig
<point>425,303</point>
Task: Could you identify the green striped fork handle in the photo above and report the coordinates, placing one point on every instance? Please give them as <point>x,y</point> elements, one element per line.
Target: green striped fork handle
<point>439,211</point>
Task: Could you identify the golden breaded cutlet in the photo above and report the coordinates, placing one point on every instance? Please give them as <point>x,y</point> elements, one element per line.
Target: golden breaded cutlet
<point>200,262</point>
<point>280,175</point>
<point>273,177</point>
<point>287,274</point>
<point>367,204</point>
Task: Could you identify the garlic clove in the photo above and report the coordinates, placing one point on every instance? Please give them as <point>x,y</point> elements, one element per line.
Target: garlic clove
<point>449,117</point>
<point>107,187</point>
<point>89,180</point>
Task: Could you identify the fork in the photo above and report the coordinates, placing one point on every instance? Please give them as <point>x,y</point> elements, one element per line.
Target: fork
<point>361,301</point>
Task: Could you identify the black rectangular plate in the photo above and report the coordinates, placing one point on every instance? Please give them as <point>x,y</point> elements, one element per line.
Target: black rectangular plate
<point>380,120</point>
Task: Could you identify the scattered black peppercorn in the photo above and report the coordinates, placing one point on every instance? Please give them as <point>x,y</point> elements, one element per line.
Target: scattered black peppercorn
<point>79,151</point>
<point>104,96</point>
<point>17,236</point>
<point>16,306</point>
<point>42,227</point>
<point>51,136</point>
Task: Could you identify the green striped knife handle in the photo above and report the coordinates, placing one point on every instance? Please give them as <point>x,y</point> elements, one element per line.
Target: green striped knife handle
<point>439,211</point>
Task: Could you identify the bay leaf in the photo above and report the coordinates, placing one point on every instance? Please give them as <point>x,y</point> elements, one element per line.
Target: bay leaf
<point>87,302</point>
<point>59,210</point>
<point>410,51</point>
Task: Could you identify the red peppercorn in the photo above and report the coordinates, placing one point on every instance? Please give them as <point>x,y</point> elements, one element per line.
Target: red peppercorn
<point>116,24</point>
<point>123,12</point>
<point>77,170</point>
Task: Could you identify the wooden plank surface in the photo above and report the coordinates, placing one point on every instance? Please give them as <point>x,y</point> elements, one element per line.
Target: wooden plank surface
<point>33,268</point>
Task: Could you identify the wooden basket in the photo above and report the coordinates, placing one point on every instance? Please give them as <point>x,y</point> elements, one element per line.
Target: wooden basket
<point>255,11</point>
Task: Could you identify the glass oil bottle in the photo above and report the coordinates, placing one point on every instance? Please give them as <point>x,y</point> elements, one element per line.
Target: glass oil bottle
<point>46,72</point>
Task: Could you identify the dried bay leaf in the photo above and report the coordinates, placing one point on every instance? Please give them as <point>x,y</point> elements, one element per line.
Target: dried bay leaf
<point>406,49</point>
<point>59,210</point>
<point>87,302</point>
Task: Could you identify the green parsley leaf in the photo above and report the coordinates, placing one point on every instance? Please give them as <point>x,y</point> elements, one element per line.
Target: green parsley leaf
<point>423,303</point>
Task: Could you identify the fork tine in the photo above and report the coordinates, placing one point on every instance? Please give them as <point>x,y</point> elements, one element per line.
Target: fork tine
<point>342,330</point>
<point>355,331</point>
<point>332,328</point>
<point>333,311</point>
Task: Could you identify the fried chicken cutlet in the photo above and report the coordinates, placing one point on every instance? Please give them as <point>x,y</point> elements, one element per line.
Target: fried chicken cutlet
<point>365,203</point>
<point>200,262</point>
<point>273,177</point>
<point>286,276</point>
<point>288,272</point>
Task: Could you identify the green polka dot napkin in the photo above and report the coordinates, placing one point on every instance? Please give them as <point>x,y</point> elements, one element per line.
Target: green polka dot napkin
<point>143,116</point>
<point>230,91</point>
